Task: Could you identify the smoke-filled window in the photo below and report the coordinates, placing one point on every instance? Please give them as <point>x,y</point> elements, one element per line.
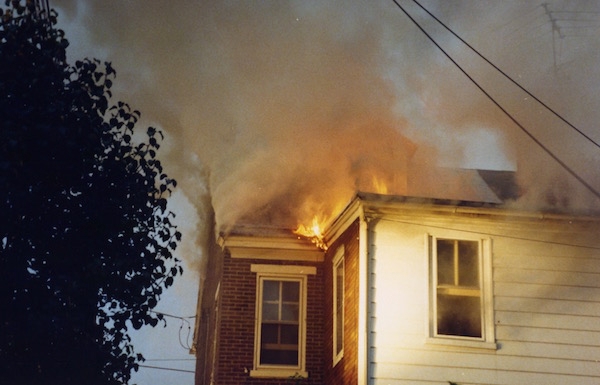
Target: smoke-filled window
<point>458,294</point>
<point>461,300</point>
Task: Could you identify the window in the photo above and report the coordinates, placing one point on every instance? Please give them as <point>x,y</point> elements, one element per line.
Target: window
<point>338,305</point>
<point>280,322</point>
<point>461,291</point>
<point>280,332</point>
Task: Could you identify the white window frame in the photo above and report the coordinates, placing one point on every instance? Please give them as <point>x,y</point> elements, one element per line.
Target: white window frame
<point>281,273</point>
<point>487,339</point>
<point>338,259</point>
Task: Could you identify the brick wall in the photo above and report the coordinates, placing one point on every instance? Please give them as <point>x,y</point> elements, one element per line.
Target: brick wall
<point>345,372</point>
<point>237,317</point>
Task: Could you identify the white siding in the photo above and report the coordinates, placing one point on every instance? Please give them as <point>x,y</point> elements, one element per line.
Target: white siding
<point>546,305</point>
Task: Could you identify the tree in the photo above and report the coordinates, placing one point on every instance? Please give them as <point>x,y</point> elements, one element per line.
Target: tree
<point>86,238</point>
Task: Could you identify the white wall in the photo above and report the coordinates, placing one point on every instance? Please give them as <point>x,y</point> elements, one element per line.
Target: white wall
<point>546,305</point>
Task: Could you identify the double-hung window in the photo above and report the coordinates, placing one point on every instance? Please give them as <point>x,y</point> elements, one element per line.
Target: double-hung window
<point>338,305</point>
<point>280,331</point>
<point>280,322</point>
<point>460,295</point>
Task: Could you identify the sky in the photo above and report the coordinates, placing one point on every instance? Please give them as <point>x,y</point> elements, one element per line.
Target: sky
<point>277,111</point>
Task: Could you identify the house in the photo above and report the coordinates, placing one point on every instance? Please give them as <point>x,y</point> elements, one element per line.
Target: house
<point>408,291</point>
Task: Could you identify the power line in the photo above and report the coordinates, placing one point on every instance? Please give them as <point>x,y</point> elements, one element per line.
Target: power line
<point>169,359</point>
<point>187,344</point>
<point>507,76</point>
<point>513,119</point>
<point>170,369</point>
<point>171,315</point>
<point>184,343</point>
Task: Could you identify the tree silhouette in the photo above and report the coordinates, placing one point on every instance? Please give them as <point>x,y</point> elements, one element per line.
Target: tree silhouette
<point>86,238</point>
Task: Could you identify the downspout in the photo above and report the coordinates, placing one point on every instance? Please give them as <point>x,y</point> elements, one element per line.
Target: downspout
<point>363,300</point>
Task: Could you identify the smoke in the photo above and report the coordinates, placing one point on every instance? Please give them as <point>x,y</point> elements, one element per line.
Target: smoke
<point>277,111</point>
<point>559,67</point>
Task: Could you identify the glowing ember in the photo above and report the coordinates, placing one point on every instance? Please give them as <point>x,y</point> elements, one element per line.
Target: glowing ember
<point>312,232</point>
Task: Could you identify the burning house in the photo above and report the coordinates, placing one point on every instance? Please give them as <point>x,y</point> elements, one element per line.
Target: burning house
<point>404,290</point>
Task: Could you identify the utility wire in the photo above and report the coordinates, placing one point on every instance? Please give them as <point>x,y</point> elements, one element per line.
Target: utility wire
<point>171,315</point>
<point>507,76</point>
<point>187,338</point>
<point>515,121</point>
<point>187,344</point>
<point>169,359</point>
<point>171,369</point>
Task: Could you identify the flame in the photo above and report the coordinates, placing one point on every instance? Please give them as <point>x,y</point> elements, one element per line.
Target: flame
<point>380,186</point>
<point>313,232</point>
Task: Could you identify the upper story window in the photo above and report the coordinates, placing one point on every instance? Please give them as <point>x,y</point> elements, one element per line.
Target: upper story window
<point>461,291</point>
<point>280,330</point>
<point>338,305</point>
<point>280,322</point>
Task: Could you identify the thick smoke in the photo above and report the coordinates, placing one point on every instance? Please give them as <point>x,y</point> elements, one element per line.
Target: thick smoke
<point>277,111</point>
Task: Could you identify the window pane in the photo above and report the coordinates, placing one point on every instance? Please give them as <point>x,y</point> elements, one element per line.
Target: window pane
<point>339,307</point>
<point>270,311</point>
<point>271,290</point>
<point>291,291</point>
<point>458,316</point>
<point>339,338</point>
<point>289,334</point>
<point>269,334</point>
<point>339,282</point>
<point>279,344</point>
<point>468,264</point>
<point>289,312</point>
<point>445,261</point>
<point>279,357</point>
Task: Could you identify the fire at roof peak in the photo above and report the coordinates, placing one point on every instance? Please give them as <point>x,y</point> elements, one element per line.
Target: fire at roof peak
<point>313,232</point>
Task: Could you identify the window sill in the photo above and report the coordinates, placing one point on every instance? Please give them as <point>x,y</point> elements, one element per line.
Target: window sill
<point>461,343</point>
<point>278,373</point>
<point>337,358</point>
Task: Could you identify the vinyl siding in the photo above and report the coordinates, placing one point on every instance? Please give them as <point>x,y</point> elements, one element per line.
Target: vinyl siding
<point>546,304</point>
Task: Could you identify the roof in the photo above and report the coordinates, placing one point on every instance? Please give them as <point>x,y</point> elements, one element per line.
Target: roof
<point>392,202</point>
<point>455,184</point>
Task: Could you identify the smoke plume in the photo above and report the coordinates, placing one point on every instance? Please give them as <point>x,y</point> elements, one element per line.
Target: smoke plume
<point>278,111</point>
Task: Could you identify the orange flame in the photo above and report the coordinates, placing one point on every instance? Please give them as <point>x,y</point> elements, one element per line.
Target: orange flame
<point>379,185</point>
<point>313,232</point>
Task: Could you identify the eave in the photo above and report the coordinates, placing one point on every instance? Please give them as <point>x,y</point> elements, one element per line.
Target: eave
<point>286,248</point>
<point>376,205</point>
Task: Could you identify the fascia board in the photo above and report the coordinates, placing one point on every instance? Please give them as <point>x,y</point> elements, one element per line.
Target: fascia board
<point>273,248</point>
<point>353,211</point>
<point>381,209</point>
